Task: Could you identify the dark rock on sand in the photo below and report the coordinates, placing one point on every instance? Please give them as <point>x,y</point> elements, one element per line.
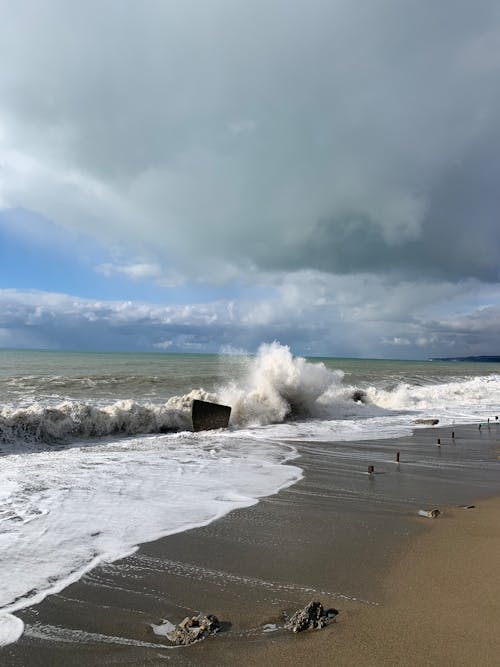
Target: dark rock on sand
<point>312,616</point>
<point>194,629</point>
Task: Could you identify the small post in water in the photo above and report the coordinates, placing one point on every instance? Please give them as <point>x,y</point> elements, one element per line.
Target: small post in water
<point>439,442</point>
<point>397,457</point>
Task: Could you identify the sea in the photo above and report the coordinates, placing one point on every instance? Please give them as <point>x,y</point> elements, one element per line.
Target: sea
<point>97,452</point>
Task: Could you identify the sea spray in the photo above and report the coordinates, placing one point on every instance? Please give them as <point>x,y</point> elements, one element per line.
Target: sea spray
<point>272,387</point>
<point>455,393</point>
<point>72,420</point>
<point>277,386</point>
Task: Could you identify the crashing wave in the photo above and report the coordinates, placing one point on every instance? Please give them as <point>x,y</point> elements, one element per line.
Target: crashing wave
<point>279,386</point>
<point>276,387</point>
<point>73,419</point>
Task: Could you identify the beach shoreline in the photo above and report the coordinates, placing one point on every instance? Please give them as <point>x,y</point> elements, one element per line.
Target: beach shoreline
<point>352,540</point>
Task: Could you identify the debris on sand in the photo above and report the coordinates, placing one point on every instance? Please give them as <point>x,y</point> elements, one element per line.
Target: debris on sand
<point>430,514</point>
<point>313,616</point>
<point>194,629</point>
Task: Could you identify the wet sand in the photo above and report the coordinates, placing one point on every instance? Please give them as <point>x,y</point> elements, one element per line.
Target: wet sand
<point>410,591</point>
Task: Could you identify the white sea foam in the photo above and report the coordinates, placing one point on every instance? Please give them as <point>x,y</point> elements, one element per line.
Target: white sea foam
<point>64,512</point>
<point>276,387</point>
<point>11,628</point>
<point>279,387</point>
<point>163,628</point>
<point>467,393</point>
<point>74,419</point>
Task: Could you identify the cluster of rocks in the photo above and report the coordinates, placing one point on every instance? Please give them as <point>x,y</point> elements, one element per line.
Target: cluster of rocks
<point>313,616</point>
<point>193,629</point>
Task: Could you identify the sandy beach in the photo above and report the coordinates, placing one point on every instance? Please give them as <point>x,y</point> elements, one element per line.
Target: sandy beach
<point>410,590</point>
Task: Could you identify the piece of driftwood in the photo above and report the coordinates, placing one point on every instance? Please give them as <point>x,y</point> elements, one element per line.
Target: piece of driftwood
<point>207,416</point>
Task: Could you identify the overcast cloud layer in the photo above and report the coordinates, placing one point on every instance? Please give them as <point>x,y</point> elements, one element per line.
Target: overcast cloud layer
<point>314,315</point>
<point>226,141</point>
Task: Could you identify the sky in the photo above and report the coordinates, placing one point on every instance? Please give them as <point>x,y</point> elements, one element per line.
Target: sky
<point>207,175</point>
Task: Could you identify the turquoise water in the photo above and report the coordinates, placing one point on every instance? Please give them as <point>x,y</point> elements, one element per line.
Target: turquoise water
<point>154,375</point>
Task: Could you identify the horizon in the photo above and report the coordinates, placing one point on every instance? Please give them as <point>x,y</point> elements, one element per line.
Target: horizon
<point>488,358</point>
<point>195,181</point>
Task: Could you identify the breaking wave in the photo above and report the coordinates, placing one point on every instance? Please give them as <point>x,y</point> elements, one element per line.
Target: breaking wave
<point>275,387</point>
<point>73,419</point>
<point>458,393</point>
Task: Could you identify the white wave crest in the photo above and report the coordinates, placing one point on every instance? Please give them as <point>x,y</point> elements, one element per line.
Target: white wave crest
<point>277,386</point>
<point>74,419</point>
<point>274,387</point>
<point>458,393</point>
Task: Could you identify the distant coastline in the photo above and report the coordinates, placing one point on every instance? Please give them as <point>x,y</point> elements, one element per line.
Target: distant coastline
<point>490,359</point>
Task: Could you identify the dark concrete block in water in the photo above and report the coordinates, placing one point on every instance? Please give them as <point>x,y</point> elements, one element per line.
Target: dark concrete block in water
<point>207,416</point>
<point>429,422</point>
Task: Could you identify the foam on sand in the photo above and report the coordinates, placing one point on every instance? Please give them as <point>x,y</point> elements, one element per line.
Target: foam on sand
<point>11,628</point>
<point>64,512</point>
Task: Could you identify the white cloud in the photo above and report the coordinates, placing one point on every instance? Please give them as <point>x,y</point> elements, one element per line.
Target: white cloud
<point>136,271</point>
<point>397,341</point>
<point>163,344</point>
<point>293,314</point>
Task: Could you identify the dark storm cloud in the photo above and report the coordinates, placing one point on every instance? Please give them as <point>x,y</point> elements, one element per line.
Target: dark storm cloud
<point>224,137</point>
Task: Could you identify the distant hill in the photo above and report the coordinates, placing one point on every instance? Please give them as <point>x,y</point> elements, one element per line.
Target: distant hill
<point>490,359</point>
